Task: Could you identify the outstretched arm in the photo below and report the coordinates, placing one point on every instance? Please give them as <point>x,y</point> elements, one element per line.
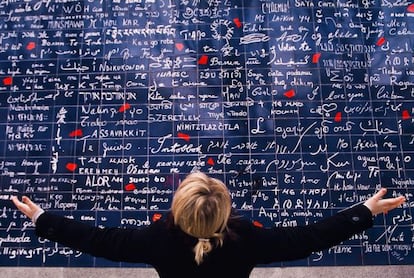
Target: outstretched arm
<point>291,243</point>
<point>128,245</point>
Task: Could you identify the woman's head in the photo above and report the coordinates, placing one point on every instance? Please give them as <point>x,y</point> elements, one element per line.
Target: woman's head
<point>201,208</point>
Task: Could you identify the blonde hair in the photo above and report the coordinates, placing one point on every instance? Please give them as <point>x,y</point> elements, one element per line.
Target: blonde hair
<point>201,208</point>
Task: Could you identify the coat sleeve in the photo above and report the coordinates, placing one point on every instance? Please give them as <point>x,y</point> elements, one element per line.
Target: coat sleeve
<point>283,244</point>
<point>116,244</point>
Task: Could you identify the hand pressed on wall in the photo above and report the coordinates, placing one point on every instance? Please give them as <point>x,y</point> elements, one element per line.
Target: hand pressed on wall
<point>27,207</point>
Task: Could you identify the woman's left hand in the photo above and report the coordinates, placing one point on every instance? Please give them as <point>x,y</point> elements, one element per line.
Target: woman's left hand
<point>27,207</point>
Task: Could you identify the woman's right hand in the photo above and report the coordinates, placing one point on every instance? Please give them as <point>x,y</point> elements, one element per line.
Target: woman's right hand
<point>378,205</point>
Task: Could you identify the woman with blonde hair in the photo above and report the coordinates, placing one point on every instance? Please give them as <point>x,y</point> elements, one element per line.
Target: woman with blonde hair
<point>202,237</point>
<point>201,208</point>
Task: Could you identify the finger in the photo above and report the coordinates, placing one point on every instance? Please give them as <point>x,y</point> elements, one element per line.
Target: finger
<point>380,194</point>
<point>29,202</point>
<point>389,204</point>
<point>397,201</point>
<point>17,202</point>
<point>14,199</point>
